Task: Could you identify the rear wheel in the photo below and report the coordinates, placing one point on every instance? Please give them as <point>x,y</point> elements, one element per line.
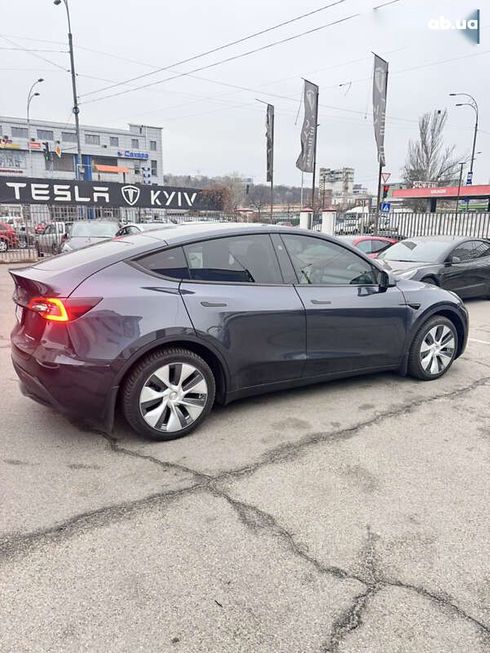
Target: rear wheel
<point>168,394</point>
<point>433,349</point>
<point>3,245</point>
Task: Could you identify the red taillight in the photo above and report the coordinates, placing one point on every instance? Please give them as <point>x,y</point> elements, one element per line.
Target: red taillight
<point>58,309</point>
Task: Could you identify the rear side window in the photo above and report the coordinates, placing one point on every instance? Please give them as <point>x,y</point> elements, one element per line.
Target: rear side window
<point>365,246</point>
<point>237,259</point>
<point>168,263</point>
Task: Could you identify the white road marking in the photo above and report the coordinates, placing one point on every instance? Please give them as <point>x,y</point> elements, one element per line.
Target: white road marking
<point>482,342</point>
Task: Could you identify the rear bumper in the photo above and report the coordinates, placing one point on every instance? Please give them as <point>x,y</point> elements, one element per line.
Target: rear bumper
<point>85,393</point>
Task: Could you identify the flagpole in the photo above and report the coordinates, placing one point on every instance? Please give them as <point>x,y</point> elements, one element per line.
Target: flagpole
<point>314,159</point>
<point>378,202</point>
<point>272,166</point>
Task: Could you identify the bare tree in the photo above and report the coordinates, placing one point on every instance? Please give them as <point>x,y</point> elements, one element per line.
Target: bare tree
<point>258,198</point>
<point>428,160</point>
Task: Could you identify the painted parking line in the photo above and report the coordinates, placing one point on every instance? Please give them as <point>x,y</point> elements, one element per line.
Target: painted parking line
<point>482,342</point>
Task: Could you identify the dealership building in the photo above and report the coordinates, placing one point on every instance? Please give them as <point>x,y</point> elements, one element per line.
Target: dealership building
<point>48,150</point>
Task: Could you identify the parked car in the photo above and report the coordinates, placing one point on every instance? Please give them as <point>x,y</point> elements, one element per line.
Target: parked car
<point>370,245</point>
<point>88,232</point>
<point>8,237</point>
<point>139,227</point>
<point>51,239</point>
<point>165,324</point>
<point>456,263</point>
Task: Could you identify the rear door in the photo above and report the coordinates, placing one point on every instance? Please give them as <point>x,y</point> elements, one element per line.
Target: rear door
<point>350,324</point>
<point>239,303</point>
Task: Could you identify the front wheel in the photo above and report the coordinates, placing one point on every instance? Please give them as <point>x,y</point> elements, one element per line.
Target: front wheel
<point>168,394</point>
<point>433,349</point>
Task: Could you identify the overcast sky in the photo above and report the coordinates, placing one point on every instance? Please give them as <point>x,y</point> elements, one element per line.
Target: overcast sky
<point>211,128</point>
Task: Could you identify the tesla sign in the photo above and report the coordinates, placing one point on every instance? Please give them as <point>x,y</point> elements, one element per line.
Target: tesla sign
<point>21,190</point>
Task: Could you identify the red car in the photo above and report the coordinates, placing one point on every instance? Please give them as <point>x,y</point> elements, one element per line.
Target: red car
<point>370,245</point>
<point>8,237</point>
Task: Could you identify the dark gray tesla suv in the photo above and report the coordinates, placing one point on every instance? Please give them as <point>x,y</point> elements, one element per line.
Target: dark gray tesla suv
<point>165,323</point>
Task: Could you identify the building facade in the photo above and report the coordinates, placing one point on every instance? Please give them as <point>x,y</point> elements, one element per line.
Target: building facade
<point>48,150</point>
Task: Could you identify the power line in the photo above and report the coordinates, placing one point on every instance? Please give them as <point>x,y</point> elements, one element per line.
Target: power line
<point>33,54</point>
<point>220,47</point>
<point>233,58</point>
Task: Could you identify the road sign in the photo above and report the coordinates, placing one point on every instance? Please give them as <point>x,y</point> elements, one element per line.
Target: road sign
<point>385,207</point>
<point>385,176</point>
<point>469,178</point>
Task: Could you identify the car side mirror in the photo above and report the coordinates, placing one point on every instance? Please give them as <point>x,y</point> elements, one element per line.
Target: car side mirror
<point>385,280</point>
<point>452,260</point>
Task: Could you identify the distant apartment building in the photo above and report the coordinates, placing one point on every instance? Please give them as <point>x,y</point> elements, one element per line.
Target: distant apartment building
<point>338,189</point>
<point>47,149</point>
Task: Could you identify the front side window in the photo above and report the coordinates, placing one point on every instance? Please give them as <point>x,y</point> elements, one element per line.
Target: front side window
<point>321,262</point>
<point>237,259</point>
<point>168,263</point>
<point>470,250</point>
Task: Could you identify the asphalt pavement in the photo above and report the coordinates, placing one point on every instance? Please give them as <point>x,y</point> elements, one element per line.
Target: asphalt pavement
<point>347,517</point>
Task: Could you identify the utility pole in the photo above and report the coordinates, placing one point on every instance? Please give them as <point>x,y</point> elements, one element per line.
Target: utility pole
<point>76,108</point>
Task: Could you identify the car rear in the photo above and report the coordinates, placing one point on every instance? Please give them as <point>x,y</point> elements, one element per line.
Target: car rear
<point>55,323</point>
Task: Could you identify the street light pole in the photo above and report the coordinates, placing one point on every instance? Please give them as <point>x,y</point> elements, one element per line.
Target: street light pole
<point>474,105</point>
<point>30,97</point>
<point>76,108</point>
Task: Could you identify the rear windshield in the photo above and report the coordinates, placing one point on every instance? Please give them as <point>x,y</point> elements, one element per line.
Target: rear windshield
<point>85,255</point>
<point>94,229</point>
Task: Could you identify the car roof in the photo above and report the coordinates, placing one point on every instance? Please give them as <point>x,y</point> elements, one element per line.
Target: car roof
<point>189,231</point>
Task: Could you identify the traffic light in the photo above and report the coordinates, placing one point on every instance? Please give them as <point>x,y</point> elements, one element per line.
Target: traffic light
<point>47,153</point>
<point>386,188</point>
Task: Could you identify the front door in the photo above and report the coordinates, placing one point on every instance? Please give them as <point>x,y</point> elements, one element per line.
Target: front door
<point>351,324</point>
<point>238,302</point>
<point>468,269</point>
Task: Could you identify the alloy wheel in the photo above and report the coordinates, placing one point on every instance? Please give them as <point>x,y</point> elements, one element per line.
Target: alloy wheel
<point>173,397</point>
<point>437,349</point>
<point>3,246</point>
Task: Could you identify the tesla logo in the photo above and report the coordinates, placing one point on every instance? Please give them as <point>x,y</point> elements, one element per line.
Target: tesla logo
<point>311,98</point>
<point>131,194</point>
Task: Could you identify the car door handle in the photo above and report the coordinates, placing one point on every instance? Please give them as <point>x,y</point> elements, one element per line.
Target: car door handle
<point>321,301</point>
<point>212,304</point>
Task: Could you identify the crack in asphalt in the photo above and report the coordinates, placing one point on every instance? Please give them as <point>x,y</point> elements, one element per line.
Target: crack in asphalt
<point>256,519</point>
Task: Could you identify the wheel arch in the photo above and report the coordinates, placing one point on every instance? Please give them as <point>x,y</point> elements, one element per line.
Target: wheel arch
<point>212,358</point>
<point>446,311</point>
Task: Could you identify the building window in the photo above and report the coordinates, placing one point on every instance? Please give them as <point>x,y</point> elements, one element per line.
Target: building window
<point>45,135</point>
<point>20,132</point>
<point>114,141</point>
<point>69,137</point>
<point>154,168</point>
<point>92,139</point>
<point>153,146</point>
<point>104,161</point>
<point>135,144</point>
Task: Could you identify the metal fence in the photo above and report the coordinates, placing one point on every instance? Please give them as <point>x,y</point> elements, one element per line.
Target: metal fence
<point>26,222</point>
<point>21,226</point>
<point>408,225</point>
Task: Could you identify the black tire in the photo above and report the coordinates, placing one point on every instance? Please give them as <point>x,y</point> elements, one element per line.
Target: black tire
<point>415,367</point>
<point>431,280</point>
<point>139,376</point>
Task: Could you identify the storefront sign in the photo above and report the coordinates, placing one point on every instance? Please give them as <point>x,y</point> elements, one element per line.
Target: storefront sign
<point>22,190</point>
<point>128,154</point>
